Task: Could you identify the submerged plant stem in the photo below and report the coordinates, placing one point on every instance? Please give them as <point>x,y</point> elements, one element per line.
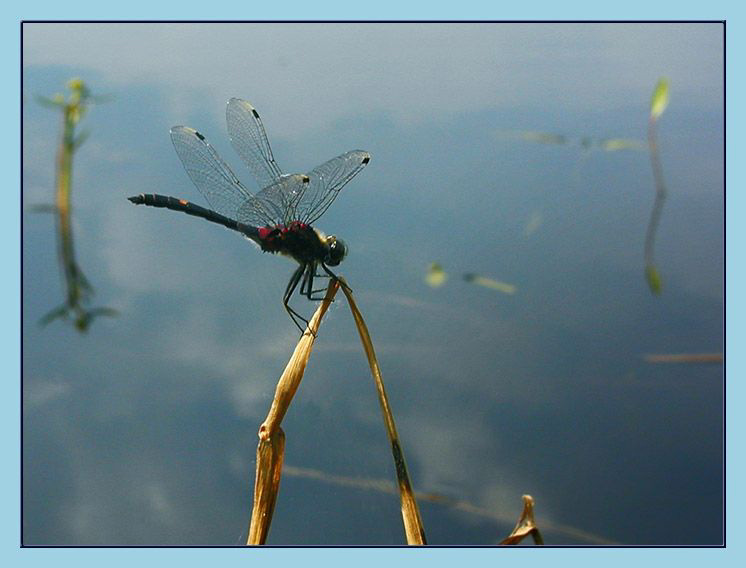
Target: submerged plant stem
<point>78,290</point>
<point>655,216</point>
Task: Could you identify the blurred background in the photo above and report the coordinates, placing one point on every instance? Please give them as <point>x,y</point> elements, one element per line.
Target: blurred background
<point>515,154</point>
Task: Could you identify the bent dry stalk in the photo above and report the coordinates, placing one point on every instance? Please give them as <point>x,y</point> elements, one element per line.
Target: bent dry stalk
<point>269,457</point>
<point>293,373</point>
<point>410,512</point>
<point>525,526</point>
<point>271,448</point>
<point>272,439</point>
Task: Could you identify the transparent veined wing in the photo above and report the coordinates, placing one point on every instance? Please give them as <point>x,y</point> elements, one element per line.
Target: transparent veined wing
<point>212,176</point>
<point>250,141</point>
<point>274,200</point>
<point>325,183</point>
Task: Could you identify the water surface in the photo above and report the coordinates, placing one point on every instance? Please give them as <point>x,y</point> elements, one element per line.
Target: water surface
<point>142,431</point>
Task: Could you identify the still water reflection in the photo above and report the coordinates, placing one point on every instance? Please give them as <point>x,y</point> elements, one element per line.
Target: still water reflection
<point>143,430</point>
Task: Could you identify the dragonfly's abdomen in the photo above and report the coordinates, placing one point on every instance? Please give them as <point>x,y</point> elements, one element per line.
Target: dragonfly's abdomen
<point>297,240</point>
<point>167,202</point>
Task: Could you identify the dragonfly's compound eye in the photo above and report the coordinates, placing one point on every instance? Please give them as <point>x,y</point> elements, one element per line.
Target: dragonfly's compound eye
<point>337,251</point>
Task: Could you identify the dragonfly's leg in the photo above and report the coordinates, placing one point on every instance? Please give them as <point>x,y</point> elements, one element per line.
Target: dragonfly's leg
<point>321,293</point>
<point>334,276</point>
<point>303,281</point>
<point>311,273</point>
<point>292,285</point>
<point>294,315</point>
<point>307,288</point>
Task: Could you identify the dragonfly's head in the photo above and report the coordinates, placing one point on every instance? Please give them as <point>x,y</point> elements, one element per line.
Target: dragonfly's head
<point>337,250</point>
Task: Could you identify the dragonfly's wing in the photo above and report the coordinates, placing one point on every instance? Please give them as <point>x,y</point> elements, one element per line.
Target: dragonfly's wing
<point>250,141</point>
<point>275,200</point>
<point>212,176</point>
<point>325,183</point>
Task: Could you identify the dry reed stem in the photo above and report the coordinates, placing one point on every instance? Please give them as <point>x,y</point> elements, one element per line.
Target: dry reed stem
<point>526,525</point>
<point>269,456</point>
<point>410,513</point>
<point>293,373</point>
<point>271,447</point>
<point>685,358</point>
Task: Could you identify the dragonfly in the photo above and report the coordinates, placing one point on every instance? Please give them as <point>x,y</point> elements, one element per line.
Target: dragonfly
<point>279,217</point>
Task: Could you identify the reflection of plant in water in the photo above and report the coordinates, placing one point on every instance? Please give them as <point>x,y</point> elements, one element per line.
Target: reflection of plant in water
<point>585,143</point>
<point>658,104</point>
<point>79,290</point>
<point>588,144</point>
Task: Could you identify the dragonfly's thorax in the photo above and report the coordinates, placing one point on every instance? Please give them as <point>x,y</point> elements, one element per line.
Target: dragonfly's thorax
<point>303,243</point>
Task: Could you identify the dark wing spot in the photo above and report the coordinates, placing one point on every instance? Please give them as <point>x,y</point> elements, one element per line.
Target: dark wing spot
<point>306,179</point>
<point>253,111</point>
<point>366,159</point>
<point>198,135</point>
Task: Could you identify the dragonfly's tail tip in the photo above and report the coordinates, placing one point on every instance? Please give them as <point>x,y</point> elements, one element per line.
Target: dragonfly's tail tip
<point>136,199</point>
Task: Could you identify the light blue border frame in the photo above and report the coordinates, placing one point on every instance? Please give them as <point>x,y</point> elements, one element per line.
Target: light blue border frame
<point>386,10</point>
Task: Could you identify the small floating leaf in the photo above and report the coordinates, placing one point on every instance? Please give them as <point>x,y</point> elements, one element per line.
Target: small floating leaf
<point>490,283</point>
<point>543,137</point>
<point>76,84</point>
<point>61,312</point>
<point>435,276</point>
<point>654,279</point>
<point>533,224</point>
<point>57,101</point>
<point>614,144</point>
<point>43,208</point>
<point>659,101</point>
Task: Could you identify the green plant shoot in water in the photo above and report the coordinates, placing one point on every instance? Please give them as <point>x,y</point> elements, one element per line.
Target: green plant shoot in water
<point>78,289</point>
<point>658,104</point>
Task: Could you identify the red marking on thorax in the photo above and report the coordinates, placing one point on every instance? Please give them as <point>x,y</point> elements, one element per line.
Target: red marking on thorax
<point>264,232</point>
<point>295,239</point>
